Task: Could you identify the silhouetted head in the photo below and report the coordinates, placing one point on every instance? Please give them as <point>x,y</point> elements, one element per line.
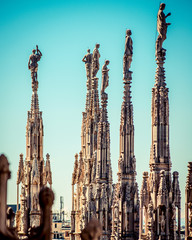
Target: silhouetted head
<point>97,45</point>
<point>162,6</point>
<point>107,62</point>
<point>88,50</point>
<point>128,32</point>
<point>33,51</point>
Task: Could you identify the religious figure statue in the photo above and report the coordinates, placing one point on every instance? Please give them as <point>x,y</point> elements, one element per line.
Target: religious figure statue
<point>32,64</point>
<point>173,211</point>
<point>133,164</point>
<point>162,223</point>
<point>127,59</point>
<point>127,192</point>
<point>95,60</point>
<point>35,202</point>
<point>84,192</point>
<point>87,59</point>
<point>161,28</point>
<point>116,212</point>
<point>150,211</point>
<point>105,77</point>
<point>22,190</point>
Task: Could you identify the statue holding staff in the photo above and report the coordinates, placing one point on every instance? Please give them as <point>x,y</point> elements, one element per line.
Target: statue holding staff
<point>127,59</point>
<point>95,60</point>
<point>87,59</point>
<point>32,64</point>
<point>161,28</point>
<point>105,77</point>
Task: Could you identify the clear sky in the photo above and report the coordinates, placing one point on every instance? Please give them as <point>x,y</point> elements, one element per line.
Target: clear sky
<point>64,30</point>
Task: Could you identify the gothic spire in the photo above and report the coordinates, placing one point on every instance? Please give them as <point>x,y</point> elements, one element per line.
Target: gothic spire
<point>127,158</point>
<point>126,206</point>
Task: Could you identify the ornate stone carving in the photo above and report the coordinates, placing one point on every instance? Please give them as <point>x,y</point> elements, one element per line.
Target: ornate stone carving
<point>46,197</point>
<point>87,59</point>
<point>127,59</point>
<point>161,28</point>
<point>95,60</point>
<point>33,173</point>
<point>161,191</point>
<point>125,201</point>
<point>105,77</point>
<point>32,64</point>
<point>93,170</point>
<point>188,203</point>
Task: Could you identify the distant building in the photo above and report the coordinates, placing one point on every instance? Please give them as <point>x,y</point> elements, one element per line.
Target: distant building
<point>60,227</point>
<point>60,230</point>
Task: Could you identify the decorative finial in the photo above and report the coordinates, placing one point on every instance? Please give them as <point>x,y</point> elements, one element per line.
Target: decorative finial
<point>95,60</point>
<point>33,65</point>
<point>105,77</point>
<point>127,59</point>
<point>47,156</point>
<point>162,30</point>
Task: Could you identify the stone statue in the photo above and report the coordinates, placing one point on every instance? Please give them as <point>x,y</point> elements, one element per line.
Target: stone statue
<point>87,59</point>
<point>105,77</point>
<point>84,192</point>
<point>32,64</point>
<point>134,164</point>
<point>127,59</point>
<point>162,223</point>
<point>161,28</point>
<point>22,190</point>
<point>127,192</point>
<point>116,213</point>
<point>35,202</point>
<point>150,211</point>
<point>173,211</point>
<point>95,60</point>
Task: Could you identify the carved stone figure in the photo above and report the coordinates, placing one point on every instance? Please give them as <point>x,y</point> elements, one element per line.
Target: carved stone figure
<point>173,212</point>
<point>32,64</point>
<point>162,223</point>
<point>35,202</point>
<point>95,60</point>
<point>161,28</point>
<point>127,59</point>
<point>87,59</point>
<point>105,77</point>
<point>134,164</point>
<point>116,213</point>
<point>150,211</point>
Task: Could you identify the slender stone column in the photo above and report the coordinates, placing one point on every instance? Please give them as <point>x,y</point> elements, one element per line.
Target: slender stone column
<point>4,176</point>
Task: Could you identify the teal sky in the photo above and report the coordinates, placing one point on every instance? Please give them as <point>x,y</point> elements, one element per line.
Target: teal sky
<point>64,30</point>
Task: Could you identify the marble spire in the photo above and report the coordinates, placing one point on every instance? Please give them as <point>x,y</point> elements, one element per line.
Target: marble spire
<point>32,173</point>
<point>157,208</point>
<point>125,208</point>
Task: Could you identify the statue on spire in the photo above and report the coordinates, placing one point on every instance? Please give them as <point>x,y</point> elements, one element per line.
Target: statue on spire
<point>32,64</point>
<point>87,59</point>
<point>127,59</point>
<point>161,28</point>
<point>105,77</point>
<point>95,60</point>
